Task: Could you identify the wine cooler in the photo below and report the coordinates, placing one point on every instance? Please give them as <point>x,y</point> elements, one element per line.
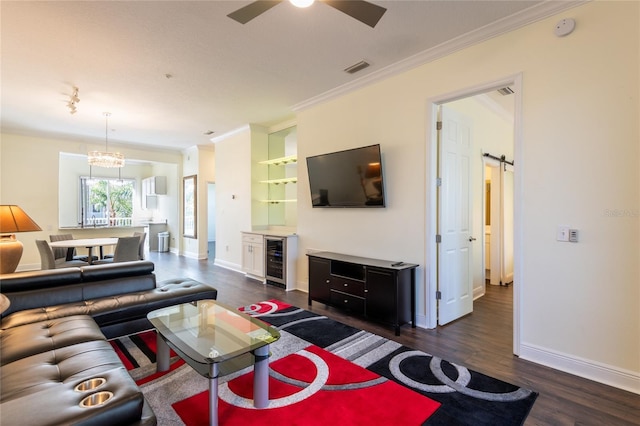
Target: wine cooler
<point>276,261</point>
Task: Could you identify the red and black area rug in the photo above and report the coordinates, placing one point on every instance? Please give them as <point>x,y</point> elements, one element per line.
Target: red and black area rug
<point>325,372</point>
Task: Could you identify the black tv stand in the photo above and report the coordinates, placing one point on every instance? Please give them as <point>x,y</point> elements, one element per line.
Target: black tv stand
<point>380,290</point>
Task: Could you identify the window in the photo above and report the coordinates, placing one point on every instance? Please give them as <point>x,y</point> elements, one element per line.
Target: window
<point>106,202</point>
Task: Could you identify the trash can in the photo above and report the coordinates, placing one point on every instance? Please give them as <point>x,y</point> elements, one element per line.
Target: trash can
<point>163,241</point>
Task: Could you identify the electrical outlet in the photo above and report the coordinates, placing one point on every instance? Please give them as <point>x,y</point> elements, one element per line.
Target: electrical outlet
<point>562,233</point>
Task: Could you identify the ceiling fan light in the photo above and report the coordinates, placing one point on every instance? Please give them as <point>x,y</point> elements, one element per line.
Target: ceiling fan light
<point>302,3</point>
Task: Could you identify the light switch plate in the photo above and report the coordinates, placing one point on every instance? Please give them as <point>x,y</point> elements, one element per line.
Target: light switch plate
<point>562,233</point>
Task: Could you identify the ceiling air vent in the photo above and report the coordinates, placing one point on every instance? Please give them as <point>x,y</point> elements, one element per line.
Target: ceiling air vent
<point>504,91</point>
<point>356,67</point>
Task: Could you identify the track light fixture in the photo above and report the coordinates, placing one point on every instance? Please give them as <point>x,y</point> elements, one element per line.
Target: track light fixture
<point>73,100</point>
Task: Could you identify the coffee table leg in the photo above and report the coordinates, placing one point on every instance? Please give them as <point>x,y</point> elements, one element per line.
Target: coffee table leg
<point>163,355</point>
<point>213,395</point>
<point>261,378</point>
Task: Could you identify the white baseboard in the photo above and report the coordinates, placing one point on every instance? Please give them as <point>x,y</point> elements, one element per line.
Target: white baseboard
<point>478,292</point>
<point>422,321</point>
<point>228,265</point>
<point>599,372</point>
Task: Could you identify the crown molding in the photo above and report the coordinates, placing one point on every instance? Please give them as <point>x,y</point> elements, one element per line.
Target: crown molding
<point>502,26</point>
<point>230,133</point>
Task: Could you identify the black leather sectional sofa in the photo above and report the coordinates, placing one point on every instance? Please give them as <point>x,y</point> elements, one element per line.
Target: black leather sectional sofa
<point>56,365</point>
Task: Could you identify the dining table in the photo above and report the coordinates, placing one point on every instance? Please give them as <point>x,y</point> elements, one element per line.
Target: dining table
<point>88,243</point>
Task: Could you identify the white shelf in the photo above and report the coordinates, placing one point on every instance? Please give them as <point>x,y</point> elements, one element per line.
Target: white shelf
<point>282,160</point>
<point>279,181</point>
<point>279,201</point>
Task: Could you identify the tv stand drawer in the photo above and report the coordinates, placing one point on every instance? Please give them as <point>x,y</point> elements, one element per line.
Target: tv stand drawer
<point>346,285</point>
<point>347,301</point>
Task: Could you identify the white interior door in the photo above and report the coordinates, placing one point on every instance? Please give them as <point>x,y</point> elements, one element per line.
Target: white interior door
<point>455,281</point>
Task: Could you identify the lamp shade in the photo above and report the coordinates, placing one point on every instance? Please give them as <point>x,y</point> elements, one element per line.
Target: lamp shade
<point>13,219</point>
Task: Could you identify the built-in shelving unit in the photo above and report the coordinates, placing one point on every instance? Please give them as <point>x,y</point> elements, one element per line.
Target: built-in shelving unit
<point>280,161</point>
<point>279,201</point>
<point>274,170</point>
<point>279,181</point>
<point>276,166</point>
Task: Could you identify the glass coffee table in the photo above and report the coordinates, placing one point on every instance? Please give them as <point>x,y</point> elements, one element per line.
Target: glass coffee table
<point>215,340</point>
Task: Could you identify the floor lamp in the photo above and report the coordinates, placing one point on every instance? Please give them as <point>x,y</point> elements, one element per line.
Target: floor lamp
<point>13,219</point>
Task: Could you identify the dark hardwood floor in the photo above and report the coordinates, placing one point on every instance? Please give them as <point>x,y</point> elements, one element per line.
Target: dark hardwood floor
<point>481,341</point>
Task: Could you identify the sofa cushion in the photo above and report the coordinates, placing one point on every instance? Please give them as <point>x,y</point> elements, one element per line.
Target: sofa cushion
<point>131,318</point>
<point>39,289</point>
<point>117,286</point>
<point>64,365</point>
<point>38,337</point>
<point>58,403</point>
<point>119,309</point>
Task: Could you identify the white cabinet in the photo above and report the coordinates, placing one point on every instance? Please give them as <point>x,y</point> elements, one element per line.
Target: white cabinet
<point>151,187</point>
<point>253,255</point>
<point>155,185</point>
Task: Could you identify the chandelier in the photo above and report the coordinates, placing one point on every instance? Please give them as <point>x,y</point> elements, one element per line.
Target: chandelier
<point>106,158</point>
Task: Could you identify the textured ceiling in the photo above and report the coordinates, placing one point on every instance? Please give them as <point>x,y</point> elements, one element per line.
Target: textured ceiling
<point>169,71</point>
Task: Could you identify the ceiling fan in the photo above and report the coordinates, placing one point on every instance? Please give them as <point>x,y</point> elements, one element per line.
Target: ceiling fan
<point>363,11</point>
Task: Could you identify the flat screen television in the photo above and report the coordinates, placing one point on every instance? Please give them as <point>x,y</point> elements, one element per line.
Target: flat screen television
<point>350,178</point>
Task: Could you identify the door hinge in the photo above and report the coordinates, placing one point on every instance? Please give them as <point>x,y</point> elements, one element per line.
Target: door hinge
<point>438,238</point>
<point>439,125</point>
<point>438,295</point>
<point>438,181</point>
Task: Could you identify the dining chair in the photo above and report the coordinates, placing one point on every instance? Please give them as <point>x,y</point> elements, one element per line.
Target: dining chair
<point>143,237</point>
<point>48,261</point>
<point>127,249</point>
<point>67,253</point>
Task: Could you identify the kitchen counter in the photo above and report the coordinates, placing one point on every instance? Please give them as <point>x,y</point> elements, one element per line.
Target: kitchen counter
<point>93,228</point>
<point>273,233</point>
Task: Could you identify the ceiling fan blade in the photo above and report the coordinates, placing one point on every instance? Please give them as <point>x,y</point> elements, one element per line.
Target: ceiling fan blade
<point>252,10</point>
<point>363,11</point>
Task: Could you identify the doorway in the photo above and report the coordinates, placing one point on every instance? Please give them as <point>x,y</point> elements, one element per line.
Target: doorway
<point>474,241</point>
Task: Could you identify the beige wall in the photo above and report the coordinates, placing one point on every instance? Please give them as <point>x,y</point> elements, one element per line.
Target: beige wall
<point>580,302</point>
<point>199,161</point>
<point>233,196</point>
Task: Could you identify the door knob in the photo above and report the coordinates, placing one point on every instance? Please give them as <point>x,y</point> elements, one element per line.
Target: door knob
<point>472,239</point>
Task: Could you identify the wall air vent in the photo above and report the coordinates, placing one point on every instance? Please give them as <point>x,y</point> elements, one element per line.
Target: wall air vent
<point>504,91</point>
<point>356,67</point>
